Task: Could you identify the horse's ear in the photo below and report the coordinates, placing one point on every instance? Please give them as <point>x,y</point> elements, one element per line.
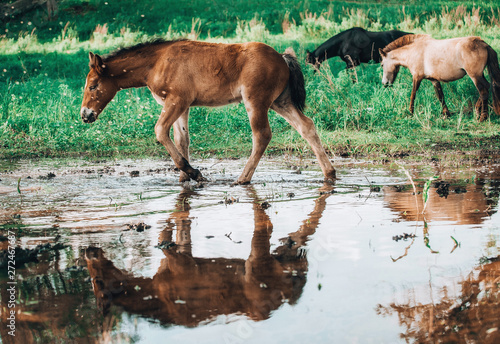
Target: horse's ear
<point>381,52</point>
<point>96,63</point>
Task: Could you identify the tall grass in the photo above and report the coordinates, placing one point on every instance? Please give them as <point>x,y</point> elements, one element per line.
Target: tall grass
<point>43,69</point>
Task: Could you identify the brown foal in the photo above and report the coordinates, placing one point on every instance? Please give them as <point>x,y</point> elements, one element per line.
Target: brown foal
<point>184,73</point>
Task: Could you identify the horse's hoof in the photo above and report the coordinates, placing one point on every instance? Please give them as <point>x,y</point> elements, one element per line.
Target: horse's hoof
<point>446,115</point>
<point>331,181</point>
<point>184,178</point>
<point>331,177</point>
<point>240,183</point>
<point>483,118</point>
<point>197,176</point>
<point>200,178</point>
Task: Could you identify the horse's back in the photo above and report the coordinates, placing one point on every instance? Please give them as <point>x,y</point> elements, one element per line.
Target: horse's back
<point>205,53</point>
<point>460,48</point>
<point>215,74</point>
<point>449,59</point>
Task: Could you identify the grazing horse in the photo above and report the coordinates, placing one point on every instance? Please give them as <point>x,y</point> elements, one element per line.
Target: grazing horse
<point>354,46</point>
<point>444,60</point>
<point>184,73</point>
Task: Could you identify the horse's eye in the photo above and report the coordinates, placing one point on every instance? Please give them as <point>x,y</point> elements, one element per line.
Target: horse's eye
<point>92,87</point>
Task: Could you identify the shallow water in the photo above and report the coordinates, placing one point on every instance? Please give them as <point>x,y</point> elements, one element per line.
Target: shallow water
<point>135,257</point>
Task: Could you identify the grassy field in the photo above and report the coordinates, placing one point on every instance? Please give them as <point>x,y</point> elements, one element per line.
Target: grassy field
<point>44,61</point>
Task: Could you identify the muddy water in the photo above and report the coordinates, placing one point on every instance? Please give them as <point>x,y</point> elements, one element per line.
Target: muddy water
<point>126,254</point>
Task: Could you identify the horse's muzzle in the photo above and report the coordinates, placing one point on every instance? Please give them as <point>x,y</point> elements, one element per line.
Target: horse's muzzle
<point>88,115</point>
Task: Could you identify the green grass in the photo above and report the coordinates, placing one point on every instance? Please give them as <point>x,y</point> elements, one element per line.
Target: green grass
<point>43,64</point>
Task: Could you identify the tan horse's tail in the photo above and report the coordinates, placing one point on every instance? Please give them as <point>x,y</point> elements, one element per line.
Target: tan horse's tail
<point>494,71</point>
<point>296,81</point>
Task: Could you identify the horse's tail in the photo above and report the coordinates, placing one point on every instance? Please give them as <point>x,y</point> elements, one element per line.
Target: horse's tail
<point>494,71</point>
<point>296,80</point>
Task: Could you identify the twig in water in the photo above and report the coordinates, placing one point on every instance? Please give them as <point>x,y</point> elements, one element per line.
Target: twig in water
<point>406,252</point>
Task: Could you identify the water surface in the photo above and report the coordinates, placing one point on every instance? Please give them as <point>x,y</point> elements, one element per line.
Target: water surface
<point>127,254</point>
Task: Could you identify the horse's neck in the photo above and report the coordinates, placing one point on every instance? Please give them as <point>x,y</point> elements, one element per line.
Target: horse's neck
<point>328,49</point>
<point>402,56</point>
<point>129,72</point>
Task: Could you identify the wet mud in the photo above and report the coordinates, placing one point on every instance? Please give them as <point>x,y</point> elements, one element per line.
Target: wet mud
<point>119,251</point>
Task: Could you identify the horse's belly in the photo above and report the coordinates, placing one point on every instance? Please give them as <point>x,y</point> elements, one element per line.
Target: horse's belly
<point>452,75</point>
<point>218,95</point>
<point>442,68</point>
<point>215,102</point>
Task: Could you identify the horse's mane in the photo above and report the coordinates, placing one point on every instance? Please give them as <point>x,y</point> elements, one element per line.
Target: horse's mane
<point>402,41</point>
<point>135,48</point>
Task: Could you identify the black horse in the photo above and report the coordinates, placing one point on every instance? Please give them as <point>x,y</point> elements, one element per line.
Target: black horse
<point>354,46</point>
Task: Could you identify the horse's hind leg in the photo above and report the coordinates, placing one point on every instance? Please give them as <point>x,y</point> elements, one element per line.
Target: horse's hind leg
<point>181,139</point>
<point>440,95</point>
<point>483,86</point>
<point>305,126</point>
<point>261,136</point>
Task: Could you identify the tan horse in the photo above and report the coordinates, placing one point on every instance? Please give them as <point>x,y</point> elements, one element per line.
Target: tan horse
<point>444,60</point>
<point>184,73</point>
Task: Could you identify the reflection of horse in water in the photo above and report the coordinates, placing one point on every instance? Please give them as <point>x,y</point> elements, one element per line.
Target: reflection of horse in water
<point>469,204</point>
<point>187,290</point>
<point>472,317</point>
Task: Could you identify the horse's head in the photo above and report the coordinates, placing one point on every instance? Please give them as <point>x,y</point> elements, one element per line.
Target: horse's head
<point>390,67</point>
<point>99,89</point>
<point>312,59</point>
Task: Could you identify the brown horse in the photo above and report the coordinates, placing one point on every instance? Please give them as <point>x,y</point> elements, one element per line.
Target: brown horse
<point>184,73</point>
<point>444,60</point>
<point>209,287</point>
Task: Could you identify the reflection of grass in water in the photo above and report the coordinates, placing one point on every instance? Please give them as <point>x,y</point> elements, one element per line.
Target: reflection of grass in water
<point>425,191</point>
<point>58,304</point>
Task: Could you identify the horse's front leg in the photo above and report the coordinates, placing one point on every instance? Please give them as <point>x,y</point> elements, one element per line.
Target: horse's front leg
<point>174,108</point>
<point>416,85</point>
<point>181,139</point>
<point>440,95</point>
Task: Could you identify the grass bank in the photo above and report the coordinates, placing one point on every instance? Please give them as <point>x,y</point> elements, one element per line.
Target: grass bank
<point>43,64</point>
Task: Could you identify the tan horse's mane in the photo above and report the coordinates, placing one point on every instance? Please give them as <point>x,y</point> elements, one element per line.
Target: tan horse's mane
<point>402,41</point>
<point>139,47</point>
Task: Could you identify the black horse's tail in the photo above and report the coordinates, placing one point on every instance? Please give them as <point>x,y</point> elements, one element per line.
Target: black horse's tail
<point>296,81</point>
<point>494,71</point>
